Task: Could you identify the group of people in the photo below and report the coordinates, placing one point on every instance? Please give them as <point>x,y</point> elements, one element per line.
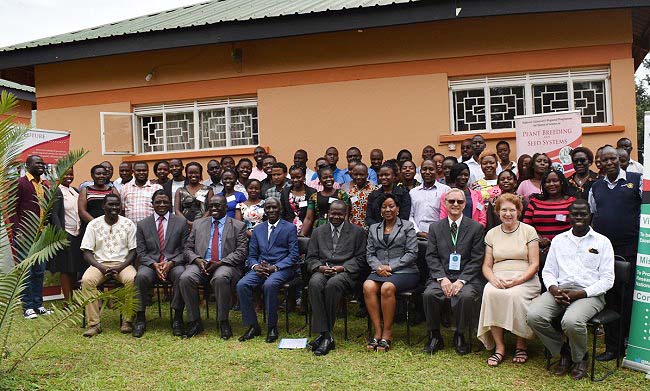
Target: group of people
<point>511,246</point>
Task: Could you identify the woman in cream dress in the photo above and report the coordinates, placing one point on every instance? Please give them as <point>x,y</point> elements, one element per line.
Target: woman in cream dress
<point>510,266</point>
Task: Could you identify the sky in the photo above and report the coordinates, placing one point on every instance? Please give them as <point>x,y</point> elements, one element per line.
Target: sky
<point>26,20</point>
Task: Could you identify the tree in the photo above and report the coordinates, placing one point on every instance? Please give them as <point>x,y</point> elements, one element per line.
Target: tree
<point>38,242</point>
<point>642,105</point>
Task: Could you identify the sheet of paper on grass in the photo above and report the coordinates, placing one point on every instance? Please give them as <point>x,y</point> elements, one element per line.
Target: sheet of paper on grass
<point>293,343</point>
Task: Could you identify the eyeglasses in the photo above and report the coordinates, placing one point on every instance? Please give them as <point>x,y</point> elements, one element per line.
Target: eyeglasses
<point>459,202</point>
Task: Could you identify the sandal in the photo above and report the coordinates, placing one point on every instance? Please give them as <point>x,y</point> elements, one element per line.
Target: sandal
<point>521,356</point>
<point>372,344</point>
<point>384,345</point>
<point>496,358</point>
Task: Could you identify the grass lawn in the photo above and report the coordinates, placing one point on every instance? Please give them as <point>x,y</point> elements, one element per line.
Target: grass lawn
<point>160,361</point>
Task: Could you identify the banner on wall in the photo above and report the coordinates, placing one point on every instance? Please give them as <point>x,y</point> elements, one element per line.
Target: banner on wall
<point>50,145</point>
<point>555,134</point>
<point>637,355</point>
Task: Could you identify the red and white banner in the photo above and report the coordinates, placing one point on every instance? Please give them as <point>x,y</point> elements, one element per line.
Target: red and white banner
<point>50,145</point>
<point>555,134</point>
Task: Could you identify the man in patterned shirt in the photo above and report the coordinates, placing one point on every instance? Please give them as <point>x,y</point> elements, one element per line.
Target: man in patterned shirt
<point>136,195</point>
<point>109,248</point>
<point>360,189</point>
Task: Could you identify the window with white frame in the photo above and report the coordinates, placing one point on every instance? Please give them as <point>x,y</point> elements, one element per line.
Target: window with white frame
<point>491,103</point>
<point>196,125</point>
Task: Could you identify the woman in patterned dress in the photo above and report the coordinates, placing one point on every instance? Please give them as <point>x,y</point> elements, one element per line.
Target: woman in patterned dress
<point>251,211</point>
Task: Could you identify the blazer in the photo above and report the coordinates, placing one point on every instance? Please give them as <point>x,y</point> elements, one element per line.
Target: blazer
<point>350,250</point>
<point>470,246</point>
<point>400,252</point>
<point>57,216</point>
<point>234,243</point>
<point>280,249</point>
<point>479,213</point>
<point>26,201</point>
<point>148,245</point>
<point>373,209</point>
<point>287,213</point>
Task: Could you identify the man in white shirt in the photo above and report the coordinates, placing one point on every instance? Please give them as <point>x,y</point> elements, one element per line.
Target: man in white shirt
<point>467,157</point>
<point>579,269</point>
<point>633,166</point>
<point>126,175</point>
<point>108,246</point>
<point>425,200</point>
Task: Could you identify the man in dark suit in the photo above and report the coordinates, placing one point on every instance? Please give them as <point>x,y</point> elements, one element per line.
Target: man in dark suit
<point>160,238</point>
<point>454,255</point>
<point>273,253</point>
<point>28,189</point>
<point>216,251</point>
<point>336,255</point>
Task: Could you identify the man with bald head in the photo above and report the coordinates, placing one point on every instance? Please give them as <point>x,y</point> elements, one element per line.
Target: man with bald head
<point>215,251</point>
<point>626,144</point>
<point>615,201</point>
<point>345,176</point>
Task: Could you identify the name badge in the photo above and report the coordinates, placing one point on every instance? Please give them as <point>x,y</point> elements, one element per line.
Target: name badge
<point>332,199</point>
<point>231,198</point>
<point>454,261</point>
<point>302,204</point>
<point>200,198</point>
<point>354,199</point>
<point>559,217</point>
<point>480,206</point>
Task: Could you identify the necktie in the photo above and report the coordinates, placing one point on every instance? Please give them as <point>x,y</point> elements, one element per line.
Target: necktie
<point>161,237</point>
<point>272,227</point>
<point>335,238</point>
<point>454,229</point>
<point>214,248</point>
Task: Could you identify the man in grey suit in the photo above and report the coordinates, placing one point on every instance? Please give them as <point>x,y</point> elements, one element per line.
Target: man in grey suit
<point>160,238</point>
<point>336,254</point>
<point>454,255</point>
<point>216,251</point>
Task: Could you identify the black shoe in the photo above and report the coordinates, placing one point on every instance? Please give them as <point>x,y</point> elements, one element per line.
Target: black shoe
<point>138,329</point>
<point>225,329</point>
<point>315,343</point>
<point>607,355</point>
<point>272,335</point>
<point>580,369</point>
<point>193,328</point>
<point>563,366</point>
<point>177,327</point>
<point>435,343</point>
<point>325,346</point>
<point>251,333</point>
<point>460,344</point>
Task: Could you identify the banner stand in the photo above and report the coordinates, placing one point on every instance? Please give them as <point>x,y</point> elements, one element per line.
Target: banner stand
<point>637,355</point>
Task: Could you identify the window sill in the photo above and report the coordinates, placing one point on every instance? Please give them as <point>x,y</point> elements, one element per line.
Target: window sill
<point>452,138</point>
<point>211,153</point>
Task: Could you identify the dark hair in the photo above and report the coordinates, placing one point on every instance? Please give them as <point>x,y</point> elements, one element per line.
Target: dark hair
<point>195,164</point>
<point>580,201</point>
<point>503,142</point>
<point>360,163</point>
<point>31,157</point>
<point>250,181</point>
<point>175,158</point>
<point>158,193</point>
<point>141,163</point>
<point>406,161</point>
<point>230,170</point>
<point>439,154</point>
<point>227,157</point>
<point>354,160</point>
<point>456,170</point>
<point>520,167</point>
<point>95,167</point>
<point>323,169</point>
<point>403,151</point>
<point>531,167</point>
<point>300,168</point>
<point>111,195</point>
<point>281,166</point>
<point>586,151</point>
<point>267,156</point>
<point>155,166</point>
<point>244,160</point>
<point>354,148</point>
<point>392,164</point>
<point>385,196</point>
<point>452,158</point>
<point>509,171</point>
<point>564,184</point>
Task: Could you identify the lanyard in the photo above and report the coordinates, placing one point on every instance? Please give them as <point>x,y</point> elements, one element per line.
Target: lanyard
<point>454,239</point>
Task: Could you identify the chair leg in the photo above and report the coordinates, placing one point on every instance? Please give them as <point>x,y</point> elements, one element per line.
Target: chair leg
<point>305,300</point>
<point>286,309</point>
<point>593,355</point>
<point>207,301</point>
<point>159,308</point>
<point>345,318</point>
<point>408,322</point>
<point>83,319</point>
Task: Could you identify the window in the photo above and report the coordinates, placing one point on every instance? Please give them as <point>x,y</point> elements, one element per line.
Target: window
<point>198,125</point>
<point>491,103</point>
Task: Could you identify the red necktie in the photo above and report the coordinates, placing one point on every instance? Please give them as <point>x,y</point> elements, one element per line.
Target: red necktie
<point>161,237</point>
<point>214,249</point>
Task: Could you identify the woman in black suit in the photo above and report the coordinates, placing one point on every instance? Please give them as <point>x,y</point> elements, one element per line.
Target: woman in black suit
<point>65,215</point>
<point>392,254</point>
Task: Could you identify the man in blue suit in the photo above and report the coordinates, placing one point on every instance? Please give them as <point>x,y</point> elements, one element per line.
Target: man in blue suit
<point>273,252</point>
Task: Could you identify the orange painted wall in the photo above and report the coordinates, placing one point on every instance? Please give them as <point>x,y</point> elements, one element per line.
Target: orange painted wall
<point>377,88</point>
<point>22,112</point>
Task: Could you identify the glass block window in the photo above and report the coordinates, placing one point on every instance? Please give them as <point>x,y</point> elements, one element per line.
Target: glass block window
<point>197,125</point>
<point>491,103</point>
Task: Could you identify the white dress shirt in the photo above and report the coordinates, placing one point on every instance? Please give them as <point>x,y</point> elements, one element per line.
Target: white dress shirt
<point>635,166</point>
<point>425,205</point>
<point>165,221</point>
<point>586,261</point>
<point>622,175</point>
<point>475,172</point>
<point>271,228</point>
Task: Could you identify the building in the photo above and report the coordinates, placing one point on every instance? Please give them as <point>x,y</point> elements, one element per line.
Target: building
<point>26,101</point>
<point>220,77</point>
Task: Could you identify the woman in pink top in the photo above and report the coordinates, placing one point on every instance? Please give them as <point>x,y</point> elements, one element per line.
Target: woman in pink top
<point>539,165</point>
<point>474,207</point>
